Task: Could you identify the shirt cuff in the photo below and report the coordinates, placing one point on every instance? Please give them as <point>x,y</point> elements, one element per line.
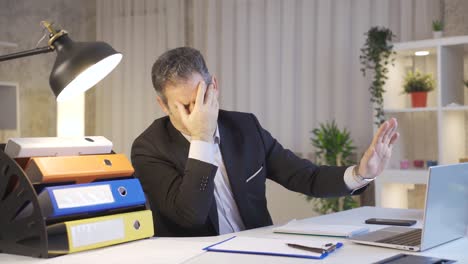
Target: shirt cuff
<point>353,183</point>
<point>202,150</point>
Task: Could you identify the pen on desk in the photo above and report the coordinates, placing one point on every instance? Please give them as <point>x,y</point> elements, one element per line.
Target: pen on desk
<point>311,249</point>
<point>330,247</point>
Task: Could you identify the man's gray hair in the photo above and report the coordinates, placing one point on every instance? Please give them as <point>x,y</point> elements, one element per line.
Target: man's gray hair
<point>178,65</point>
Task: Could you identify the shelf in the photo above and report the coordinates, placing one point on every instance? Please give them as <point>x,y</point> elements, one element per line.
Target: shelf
<point>412,176</point>
<point>430,43</point>
<point>425,109</point>
<point>393,186</point>
<point>410,110</point>
<point>455,108</point>
<point>436,132</point>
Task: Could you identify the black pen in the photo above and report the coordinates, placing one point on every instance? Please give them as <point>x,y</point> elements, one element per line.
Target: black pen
<point>311,249</point>
<point>330,247</point>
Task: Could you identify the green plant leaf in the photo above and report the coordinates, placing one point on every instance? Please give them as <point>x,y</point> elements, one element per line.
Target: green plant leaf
<point>333,146</point>
<point>418,82</point>
<point>437,25</point>
<point>375,56</point>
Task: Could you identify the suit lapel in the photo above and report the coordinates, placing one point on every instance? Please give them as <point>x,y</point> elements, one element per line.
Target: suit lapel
<point>180,152</point>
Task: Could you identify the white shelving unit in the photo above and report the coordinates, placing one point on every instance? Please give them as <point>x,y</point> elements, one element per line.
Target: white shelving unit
<point>436,132</point>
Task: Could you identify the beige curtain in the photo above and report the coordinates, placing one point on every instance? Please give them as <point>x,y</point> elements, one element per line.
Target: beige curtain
<point>292,63</point>
<point>141,30</point>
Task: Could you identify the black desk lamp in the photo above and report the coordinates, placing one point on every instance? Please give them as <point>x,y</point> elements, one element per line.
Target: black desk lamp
<point>78,66</point>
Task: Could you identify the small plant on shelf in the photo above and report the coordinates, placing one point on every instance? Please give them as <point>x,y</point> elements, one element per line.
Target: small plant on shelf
<point>466,83</point>
<point>333,147</point>
<point>437,25</point>
<point>437,28</point>
<point>418,84</point>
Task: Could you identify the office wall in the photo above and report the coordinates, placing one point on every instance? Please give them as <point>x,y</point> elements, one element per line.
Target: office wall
<point>19,20</point>
<point>294,64</point>
<point>455,18</point>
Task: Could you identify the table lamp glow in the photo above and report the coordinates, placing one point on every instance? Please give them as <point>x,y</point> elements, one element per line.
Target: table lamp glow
<point>78,66</point>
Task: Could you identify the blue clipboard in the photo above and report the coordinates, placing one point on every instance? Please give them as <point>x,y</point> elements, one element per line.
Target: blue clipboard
<point>227,246</point>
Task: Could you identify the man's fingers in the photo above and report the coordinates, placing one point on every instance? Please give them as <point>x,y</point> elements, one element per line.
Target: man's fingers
<point>394,121</point>
<point>215,97</point>
<point>388,134</point>
<point>183,112</point>
<point>378,136</point>
<point>200,93</point>
<point>368,154</point>
<point>385,134</point>
<point>394,138</point>
<point>380,151</point>
<point>209,95</point>
<point>215,101</point>
<point>386,130</point>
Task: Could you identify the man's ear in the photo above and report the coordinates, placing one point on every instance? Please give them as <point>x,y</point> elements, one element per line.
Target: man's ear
<point>163,105</point>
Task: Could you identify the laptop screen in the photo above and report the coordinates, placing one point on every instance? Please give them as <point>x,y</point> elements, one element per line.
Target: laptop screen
<point>446,211</point>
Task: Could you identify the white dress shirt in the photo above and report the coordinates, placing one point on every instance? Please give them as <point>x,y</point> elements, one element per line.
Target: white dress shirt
<point>228,213</point>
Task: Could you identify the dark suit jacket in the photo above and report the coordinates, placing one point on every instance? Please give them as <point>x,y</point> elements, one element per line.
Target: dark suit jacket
<point>180,190</point>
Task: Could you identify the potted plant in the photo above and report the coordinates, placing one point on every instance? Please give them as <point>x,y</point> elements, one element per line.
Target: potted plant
<point>376,56</point>
<point>466,83</point>
<point>418,85</point>
<point>437,27</point>
<point>333,147</point>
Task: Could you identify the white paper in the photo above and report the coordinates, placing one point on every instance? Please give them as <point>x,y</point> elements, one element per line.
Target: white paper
<point>268,246</point>
<point>155,250</point>
<point>83,196</point>
<point>93,233</point>
<point>307,228</point>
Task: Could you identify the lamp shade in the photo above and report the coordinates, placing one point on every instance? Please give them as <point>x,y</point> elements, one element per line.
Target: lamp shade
<point>80,65</point>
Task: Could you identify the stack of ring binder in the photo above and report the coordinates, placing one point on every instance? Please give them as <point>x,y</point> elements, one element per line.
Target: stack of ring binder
<point>63,195</point>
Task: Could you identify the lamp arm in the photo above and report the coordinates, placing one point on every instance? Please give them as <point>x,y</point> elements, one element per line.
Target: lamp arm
<point>26,53</point>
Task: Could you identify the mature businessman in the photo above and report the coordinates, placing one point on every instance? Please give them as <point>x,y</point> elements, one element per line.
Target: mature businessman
<point>204,169</point>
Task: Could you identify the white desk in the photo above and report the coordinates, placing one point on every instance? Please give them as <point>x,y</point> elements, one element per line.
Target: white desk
<point>188,250</point>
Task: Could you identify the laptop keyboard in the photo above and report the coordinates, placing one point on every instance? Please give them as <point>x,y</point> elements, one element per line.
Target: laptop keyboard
<point>410,238</point>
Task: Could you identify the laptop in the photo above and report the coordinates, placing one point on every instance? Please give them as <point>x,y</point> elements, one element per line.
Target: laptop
<point>445,214</point>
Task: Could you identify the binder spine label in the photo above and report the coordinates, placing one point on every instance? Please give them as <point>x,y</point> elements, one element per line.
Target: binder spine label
<point>99,232</point>
<point>83,196</point>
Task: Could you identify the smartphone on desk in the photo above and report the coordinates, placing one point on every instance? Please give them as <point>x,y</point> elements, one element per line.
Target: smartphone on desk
<point>386,221</point>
